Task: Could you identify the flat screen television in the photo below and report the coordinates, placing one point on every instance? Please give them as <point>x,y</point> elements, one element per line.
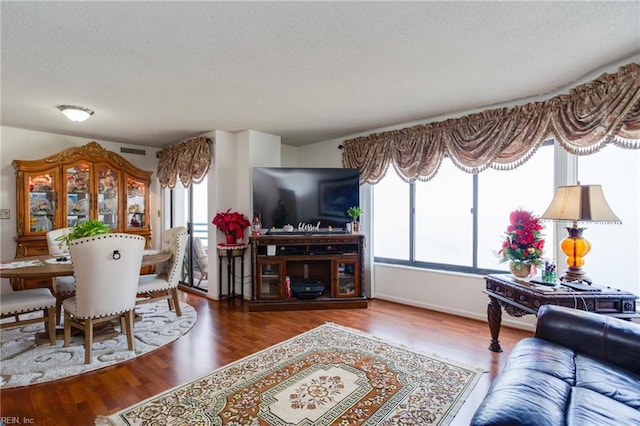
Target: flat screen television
<point>291,196</point>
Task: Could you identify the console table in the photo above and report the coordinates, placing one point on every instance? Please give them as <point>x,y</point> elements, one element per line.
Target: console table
<point>335,260</point>
<point>521,297</point>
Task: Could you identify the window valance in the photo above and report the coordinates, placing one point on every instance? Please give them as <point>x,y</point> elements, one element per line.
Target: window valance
<point>603,111</point>
<point>189,161</point>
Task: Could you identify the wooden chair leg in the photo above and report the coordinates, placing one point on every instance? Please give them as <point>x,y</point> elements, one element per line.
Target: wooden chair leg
<point>88,340</point>
<point>176,302</point>
<point>51,325</point>
<point>67,329</point>
<point>128,319</point>
<point>58,309</point>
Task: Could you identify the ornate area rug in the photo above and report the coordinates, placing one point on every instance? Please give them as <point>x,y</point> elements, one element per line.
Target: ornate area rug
<point>23,362</point>
<point>329,375</point>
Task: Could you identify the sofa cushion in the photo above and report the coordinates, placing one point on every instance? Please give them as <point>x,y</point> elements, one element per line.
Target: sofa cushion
<point>524,397</point>
<point>536,354</point>
<point>587,407</point>
<point>611,381</point>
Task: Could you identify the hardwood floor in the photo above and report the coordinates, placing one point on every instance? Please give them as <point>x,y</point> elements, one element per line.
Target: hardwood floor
<point>223,334</point>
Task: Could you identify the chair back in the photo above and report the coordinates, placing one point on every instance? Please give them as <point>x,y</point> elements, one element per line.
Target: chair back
<point>201,255</point>
<point>57,248</point>
<point>106,269</point>
<point>175,241</point>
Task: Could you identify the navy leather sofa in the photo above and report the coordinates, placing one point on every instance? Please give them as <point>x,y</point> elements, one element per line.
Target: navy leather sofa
<point>581,368</point>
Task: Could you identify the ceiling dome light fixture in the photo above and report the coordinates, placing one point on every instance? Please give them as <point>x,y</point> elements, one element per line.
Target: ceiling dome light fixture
<point>75,113</point>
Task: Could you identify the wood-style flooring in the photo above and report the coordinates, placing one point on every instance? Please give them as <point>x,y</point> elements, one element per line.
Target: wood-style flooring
<point>224,333</point>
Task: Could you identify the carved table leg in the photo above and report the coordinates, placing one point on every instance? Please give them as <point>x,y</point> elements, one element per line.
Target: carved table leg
<point>494,316</point>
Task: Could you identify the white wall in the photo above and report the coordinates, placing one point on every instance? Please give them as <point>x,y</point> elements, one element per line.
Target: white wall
<point>289,156</point>
<point>19,144</point>
<point>229,186</point>
<point>454,293</point>
<point>323,154</point>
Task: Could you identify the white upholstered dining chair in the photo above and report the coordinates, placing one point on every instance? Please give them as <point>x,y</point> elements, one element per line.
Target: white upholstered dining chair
<point>202,259</point>
<point>164,285</point>
<point>63,287</point>
<point>16,303</point>
<point>57,247</point>
<point>106,268</point>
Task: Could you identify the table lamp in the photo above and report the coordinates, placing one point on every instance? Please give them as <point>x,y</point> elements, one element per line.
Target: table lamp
<point>578,203</point>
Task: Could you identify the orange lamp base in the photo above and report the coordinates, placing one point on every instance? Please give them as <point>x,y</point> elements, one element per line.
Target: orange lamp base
<point>575,247</point>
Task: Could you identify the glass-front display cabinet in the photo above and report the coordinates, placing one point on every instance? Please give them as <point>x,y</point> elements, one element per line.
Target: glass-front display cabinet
<point>75,185</point>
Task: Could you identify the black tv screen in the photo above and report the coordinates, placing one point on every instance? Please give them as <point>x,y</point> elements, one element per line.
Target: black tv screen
<point>290,196</point>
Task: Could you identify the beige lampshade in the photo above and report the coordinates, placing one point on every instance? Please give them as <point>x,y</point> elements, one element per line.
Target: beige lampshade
<point>580,203</point>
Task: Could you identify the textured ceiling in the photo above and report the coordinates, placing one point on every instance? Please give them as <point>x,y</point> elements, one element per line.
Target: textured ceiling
<point>156,73</point>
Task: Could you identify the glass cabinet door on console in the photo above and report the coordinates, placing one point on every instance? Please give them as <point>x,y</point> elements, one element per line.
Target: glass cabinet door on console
<point>345,278</point>
<point>42,202</point>
<point>270,280</point>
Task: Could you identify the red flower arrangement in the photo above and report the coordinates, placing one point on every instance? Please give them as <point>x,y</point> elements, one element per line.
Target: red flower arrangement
<point>231,223</point>
<point>523,242</point>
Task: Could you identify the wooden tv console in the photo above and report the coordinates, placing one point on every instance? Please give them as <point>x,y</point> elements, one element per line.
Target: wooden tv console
<point>335,260</point>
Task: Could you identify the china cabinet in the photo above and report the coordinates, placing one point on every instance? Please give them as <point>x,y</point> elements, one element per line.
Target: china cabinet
<point>75,185</point>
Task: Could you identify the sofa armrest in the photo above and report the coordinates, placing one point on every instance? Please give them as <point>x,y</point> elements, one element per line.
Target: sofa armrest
<point>612,340</point>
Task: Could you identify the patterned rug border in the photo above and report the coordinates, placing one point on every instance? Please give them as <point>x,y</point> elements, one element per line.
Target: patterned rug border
<point>112,355</point>
<point>434,355</point>
<point>105,420</point>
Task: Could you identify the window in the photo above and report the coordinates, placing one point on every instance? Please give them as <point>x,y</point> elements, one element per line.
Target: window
<point>392,220</point>
<point>459,219</point>
<point>613,260</point>
<point>530,187</point>
<point>444,217</point>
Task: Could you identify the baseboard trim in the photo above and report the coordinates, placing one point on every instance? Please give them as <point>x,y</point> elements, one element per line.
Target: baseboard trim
<point>506,321</point>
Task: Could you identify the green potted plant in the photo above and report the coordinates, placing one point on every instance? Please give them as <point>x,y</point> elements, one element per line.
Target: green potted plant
<point>87,228</point>
<point>354,213</point>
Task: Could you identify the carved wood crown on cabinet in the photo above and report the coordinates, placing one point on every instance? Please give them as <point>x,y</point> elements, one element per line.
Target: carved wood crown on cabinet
<point>74,185</point>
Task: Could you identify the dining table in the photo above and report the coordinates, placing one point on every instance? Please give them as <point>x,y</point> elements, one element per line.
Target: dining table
<point>48,266</point>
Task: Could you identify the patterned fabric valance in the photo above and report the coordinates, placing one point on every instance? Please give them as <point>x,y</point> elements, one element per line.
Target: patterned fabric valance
<point>188,160</point>
<point>604,111</point>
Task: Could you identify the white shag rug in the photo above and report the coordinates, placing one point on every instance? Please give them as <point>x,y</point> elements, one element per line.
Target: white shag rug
<point>23,362</point>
